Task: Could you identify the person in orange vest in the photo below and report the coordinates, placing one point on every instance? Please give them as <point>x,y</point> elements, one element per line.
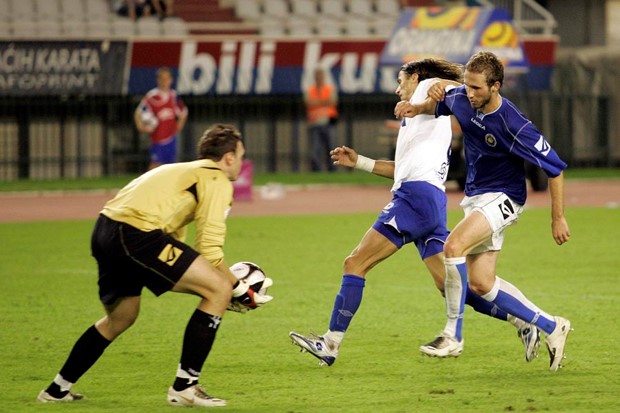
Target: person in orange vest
<point>321,100</point>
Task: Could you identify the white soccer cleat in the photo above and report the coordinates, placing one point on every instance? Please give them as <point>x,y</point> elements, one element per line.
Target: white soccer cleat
<point>556,341</point>
<point>45,397</point>
<point>443,346</point>
<point>317,346</point>
<point>194,396</point>
<point>530,337</point>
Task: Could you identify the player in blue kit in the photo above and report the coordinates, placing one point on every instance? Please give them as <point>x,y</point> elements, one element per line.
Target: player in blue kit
<point>498,138</point>
<point>416,213</point>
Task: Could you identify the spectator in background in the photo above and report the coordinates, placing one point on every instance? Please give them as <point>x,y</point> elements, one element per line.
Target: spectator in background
<point>162,114</point>
<point>321,100</point>
<point>132,8</point>
<point>139,8</point>
<point>162,8</point>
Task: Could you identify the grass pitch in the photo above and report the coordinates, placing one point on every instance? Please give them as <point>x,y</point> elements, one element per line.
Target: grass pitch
<point>49,297</point>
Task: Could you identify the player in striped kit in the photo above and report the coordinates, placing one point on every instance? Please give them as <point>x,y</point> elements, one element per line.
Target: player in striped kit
<point>161,114</point>
<point>498,138</point>
<point>417,212</point>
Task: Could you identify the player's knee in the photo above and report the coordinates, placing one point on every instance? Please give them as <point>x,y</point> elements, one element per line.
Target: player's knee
<point>452,249</point>
<point>113,326</point>
<point>479,288</point>
<point>354,265</point>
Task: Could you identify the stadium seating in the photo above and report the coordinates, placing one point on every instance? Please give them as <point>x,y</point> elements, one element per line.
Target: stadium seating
<point>332,18</point>
<point>297,18</point>
<point>77,19</point>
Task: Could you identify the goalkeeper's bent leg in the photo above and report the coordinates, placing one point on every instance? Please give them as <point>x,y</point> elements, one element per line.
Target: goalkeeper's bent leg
<point>197,342</point>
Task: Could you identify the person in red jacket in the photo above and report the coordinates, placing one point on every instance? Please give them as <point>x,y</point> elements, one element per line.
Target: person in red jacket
<point>161,114</point>
<point>321,111</point>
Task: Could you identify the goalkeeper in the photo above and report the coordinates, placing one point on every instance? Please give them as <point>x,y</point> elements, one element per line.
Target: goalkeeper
<point>416,213</point>
<point>138,242</point>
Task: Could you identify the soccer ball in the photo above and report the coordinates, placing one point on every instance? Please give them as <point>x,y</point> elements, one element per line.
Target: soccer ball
<point>148,118</point>
<point>251,274</point>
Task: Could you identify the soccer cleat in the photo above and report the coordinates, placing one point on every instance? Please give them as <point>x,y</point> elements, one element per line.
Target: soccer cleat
<point>556,341</point>
<point>530,336</point>
<point>443,346</point>
<point>194,396</point>
<point>45,397</point>
<point>317,346</point>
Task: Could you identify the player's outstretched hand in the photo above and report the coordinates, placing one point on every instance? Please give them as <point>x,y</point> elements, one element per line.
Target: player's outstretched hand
<point>344,156</point>
<point>244,295</point>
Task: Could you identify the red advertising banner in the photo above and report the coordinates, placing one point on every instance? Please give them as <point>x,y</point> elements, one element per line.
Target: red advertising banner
<point>256,66</point>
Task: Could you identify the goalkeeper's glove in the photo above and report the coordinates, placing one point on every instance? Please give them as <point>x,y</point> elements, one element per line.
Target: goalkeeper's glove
<point>244,295</point>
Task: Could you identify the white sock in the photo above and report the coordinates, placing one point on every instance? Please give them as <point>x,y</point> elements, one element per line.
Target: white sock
<point>182,374</point>
<point>62,383</point>
<point>454,289</point>
<point>333,338</point>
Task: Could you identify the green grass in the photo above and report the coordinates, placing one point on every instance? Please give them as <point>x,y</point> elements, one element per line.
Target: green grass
<point>340,177</point>
<point>49,297</point>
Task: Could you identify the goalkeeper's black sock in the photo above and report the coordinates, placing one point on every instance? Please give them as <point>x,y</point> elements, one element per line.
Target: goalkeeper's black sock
<point>86,351</point>
<point>197,342</point>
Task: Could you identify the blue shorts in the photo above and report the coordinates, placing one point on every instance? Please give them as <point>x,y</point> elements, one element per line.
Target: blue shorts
<point>417,213</point>
<point>164,152</point>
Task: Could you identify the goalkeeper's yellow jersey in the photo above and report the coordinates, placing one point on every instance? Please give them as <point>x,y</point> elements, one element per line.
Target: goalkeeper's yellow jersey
<point>171,196</point>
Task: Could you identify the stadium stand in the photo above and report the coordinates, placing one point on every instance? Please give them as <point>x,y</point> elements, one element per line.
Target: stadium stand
<point>38,19</point>
<point>83,19</point>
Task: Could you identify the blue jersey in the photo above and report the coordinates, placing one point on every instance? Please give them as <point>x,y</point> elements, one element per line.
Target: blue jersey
<point>496,145</point>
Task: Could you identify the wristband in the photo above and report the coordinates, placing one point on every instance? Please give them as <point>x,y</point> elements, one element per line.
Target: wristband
<point>365,164</point>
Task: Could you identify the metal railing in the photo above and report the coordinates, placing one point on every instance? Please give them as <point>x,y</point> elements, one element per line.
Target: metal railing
<point>528,16</point>
<point>53,137</point>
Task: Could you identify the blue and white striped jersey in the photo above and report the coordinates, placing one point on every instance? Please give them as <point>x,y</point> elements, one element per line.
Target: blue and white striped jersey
<point>496,145</point>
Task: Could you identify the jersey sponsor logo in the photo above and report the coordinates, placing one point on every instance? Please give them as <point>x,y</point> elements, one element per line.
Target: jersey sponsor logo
<point>477,123</point>
<point>506,208</point>
<point>170,254</point>
<point>542,146</point>
<point>490,140</point>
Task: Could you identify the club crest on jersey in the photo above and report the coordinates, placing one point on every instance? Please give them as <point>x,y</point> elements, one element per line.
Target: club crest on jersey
<point>542,146</point>
<point>490,140</point>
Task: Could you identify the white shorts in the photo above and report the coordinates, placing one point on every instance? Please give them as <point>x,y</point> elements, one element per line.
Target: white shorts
<point>500,212</point>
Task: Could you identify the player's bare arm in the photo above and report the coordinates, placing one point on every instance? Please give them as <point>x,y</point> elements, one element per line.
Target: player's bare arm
<point>437,91</point>
<point>405,109</point>
<point>345,156</point>
<point>181,122</point>
<point>559,225</point>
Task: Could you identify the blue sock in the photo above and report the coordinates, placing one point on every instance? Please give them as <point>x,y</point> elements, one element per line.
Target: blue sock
<point>515,307</point>
<point>483,306</point>
<point>347,302</point>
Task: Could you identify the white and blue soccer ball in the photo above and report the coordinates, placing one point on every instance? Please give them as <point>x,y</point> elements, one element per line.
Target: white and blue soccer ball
<point>148,118</point>
<point>252,274</point>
